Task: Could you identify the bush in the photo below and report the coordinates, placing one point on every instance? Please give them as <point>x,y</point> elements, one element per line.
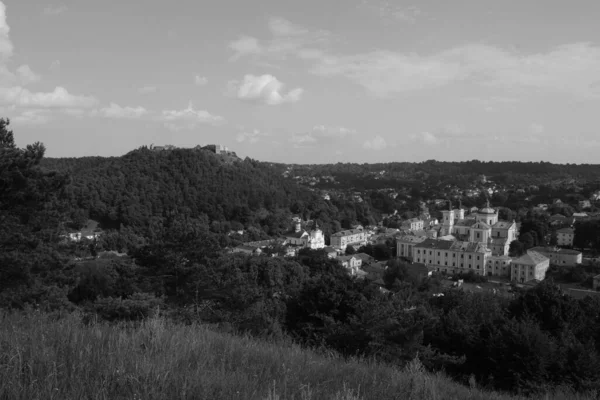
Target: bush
<point>137,307</point>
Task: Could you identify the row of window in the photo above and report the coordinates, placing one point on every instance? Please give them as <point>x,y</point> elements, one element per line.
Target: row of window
<point>446,254</point>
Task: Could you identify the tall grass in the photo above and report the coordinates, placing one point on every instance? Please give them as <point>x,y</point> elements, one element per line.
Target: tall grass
<point>44,357</point>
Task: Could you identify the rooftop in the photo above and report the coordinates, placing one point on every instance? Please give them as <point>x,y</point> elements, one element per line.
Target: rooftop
<point>503,225</point>
<point>531,258</point>
<point>566,230</point>
<point>347,232</point>
<point>556,250</point>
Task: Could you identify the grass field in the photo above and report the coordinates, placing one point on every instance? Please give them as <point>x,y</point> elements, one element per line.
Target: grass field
<point>45,357</point>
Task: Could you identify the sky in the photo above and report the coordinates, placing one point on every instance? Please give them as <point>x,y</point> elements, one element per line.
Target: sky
<point>311,81</point>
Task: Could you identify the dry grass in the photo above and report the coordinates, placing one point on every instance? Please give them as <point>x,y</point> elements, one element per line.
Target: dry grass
<point>42,357</point>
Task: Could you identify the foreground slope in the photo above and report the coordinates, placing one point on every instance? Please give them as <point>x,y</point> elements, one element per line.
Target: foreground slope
<point>60,358</point>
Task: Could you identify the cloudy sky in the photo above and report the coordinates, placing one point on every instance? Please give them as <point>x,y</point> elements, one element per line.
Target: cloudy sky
<point>308,81</point>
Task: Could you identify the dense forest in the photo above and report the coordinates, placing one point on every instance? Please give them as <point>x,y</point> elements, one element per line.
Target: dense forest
<point>173,212</point>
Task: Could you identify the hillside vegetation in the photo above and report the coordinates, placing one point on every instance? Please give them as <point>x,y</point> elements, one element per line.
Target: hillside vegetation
<point>47,357</point>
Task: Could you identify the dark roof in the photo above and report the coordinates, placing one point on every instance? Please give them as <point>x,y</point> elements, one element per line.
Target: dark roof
<point>329,249</point>
<point>556,250</point>
<point>363,256</point>
<point>503,225</point>
<point>296,235</point>
<point>566,230</point>
<point>466,222</point>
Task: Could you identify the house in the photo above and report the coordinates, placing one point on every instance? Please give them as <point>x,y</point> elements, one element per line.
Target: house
<point>246,249</point>
<point>596,282</point>
<point>90,232</point>
<point>365,258</point>
<point>558,256</point>
<point>330,251</point>
<point>301,238</point>
<point>565,237</point>
<point>585,204</point>
<point>413,224</point>
<point>351,263</point>
<point>530,266</point>
<point>580,216</point>
<point>354,237</point>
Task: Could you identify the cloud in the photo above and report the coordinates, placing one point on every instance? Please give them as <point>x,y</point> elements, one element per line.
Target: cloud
<point>117,112</point>
<point>377,143</point>
<point>286,39</point>
<point>569,68</point>
<point>59,98</point>
<point>200,80</point>
<point>427,138</point>
<point>389,12</point>
<point>26,75</point>
<point>536,129</point>
<point>147,89</point>
<point>245,45</point>
<point>55,9</point>
<point>12,92</point>
<point>321,135</point>
<point>6,46</point>
<point>188,118</point>
<point>253,136</point>
<point>55,65</point>
<point>282,27</point>
<point>265,89</point>
<point>32,117</point>
<point>332,131</point>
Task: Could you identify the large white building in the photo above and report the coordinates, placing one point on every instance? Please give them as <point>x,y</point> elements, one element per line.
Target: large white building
<point>478,243</point>
<point>301,238</point>
<point>353,237</point>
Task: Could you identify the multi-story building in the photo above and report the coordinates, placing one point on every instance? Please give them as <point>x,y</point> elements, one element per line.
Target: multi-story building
<point>300,238</point>
<point>354,237</point>
<point>558,256</point>
<point>413,224</point>
<point>452,256</point>
<point>565,237</point>
<point>531,266</point>
<point>405,245</point>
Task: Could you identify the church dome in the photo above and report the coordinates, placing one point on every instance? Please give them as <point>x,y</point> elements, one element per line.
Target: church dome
<point>487,210</point>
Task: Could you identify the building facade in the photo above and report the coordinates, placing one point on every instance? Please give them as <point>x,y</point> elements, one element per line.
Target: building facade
<point>558,256</point>
<point>531,266</point>
<point>565,237</point>
<point>354,237</point>
<point>452,257</point>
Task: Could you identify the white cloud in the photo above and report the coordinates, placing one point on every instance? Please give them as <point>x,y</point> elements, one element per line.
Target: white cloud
<point>118,112</point>
<point>12,92</point>
<point>332,131</point>
<point>322,135</point>
<point>569,68</point>
<point>282,27</point>
<point>26,75</point>
<point>6,46</point>
<point>56,9</point>
<point>427,138</point>
<point>200,80</point>
<point>59,98</point>
<point>189,118</point>
<point>253,136</point>
<point>377,143</point>
<point>265,89</point>
<point>147,89</point>
<point>245,45</point>
<point>536,128</point>
<point>55,65</point>
<point>32,117</point>
<point>287,39</point>
<point>388,12</point>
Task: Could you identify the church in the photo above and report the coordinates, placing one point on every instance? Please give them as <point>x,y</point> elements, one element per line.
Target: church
<point>479,242</point>
<point>301,238</point>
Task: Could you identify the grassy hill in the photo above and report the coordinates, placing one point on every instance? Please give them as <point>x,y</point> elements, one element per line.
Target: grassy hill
<point>46,357</point>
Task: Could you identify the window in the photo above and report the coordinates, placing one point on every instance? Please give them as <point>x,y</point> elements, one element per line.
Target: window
<point>438,253</point>
<point>478,236</point>
<point>469,256</point>
<point>477,257</point>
